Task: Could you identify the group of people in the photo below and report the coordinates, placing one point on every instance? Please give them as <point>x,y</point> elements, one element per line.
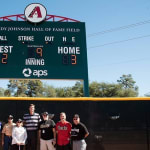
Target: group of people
<point>33,130</point>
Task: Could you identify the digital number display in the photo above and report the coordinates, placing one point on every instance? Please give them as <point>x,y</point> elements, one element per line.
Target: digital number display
<point>39,52</point>
<point>35,52</point>
<point>69,59</point>
<point>4,58</point>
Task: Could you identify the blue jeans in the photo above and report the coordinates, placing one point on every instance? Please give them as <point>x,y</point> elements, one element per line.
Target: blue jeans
<point>7,142</point>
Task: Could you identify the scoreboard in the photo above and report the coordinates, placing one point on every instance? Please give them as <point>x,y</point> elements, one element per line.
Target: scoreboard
<point>49,50</point>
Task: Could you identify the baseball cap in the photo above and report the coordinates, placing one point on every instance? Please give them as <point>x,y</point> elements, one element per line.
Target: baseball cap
<point>45,113</point>
<point>76,116</point>
<point>19,120</point>
<point>10,116</point>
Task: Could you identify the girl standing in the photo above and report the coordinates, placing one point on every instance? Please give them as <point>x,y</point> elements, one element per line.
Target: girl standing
<point>19,136</point>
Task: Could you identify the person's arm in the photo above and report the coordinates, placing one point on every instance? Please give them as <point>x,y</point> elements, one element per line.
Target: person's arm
<point>54,133</point>
<point>70,127</point>
<point>3,133</point>
<point>53,128</point>
<point>2,139</point>
<point>85,130</point>
<point>56,130</point>
<point>24,121</point>
<point>39,130</point>
<point>86,135</point>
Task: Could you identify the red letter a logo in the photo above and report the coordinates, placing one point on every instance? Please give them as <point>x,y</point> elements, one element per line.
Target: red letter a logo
<point>36,11</point>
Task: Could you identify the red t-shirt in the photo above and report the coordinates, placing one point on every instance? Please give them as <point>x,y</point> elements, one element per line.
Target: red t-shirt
<point>63,132</point>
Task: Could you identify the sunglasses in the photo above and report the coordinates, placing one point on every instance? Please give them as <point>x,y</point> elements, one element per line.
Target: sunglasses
<point>75,118</point>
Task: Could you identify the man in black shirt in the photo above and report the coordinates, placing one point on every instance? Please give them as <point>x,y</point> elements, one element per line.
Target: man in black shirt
<point>78,133</point>
<point>47,133</point>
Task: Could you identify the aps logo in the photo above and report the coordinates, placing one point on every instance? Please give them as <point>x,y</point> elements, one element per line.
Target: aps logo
<point>27,72</point>
<point>35,13</point>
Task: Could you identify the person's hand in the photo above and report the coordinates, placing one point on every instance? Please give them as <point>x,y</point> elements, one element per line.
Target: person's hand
<point>54,142</point>
<point>2,142</point>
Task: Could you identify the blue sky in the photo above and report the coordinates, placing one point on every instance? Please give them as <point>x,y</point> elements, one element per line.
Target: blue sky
<point>106,63</point>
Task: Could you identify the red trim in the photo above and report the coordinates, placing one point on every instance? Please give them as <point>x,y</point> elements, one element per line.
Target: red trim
<point>21,17</point>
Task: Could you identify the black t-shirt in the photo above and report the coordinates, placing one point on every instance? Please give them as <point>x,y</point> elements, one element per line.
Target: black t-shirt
<point>78,131</point>
<point>46,128</point>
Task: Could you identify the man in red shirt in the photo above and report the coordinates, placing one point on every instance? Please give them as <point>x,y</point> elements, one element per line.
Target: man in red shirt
<point>63,130</point>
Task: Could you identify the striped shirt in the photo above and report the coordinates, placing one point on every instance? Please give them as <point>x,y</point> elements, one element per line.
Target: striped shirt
<point>31,121</point>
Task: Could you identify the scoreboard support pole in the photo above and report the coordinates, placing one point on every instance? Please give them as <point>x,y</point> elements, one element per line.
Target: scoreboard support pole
<point>86,88</point>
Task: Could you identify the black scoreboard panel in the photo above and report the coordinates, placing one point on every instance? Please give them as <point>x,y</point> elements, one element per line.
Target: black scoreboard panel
<point>50,50</point>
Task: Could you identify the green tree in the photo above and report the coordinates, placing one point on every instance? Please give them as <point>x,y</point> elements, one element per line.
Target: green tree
<point>127,81</point>
<point>60,92</point>
<point>34,88</point>
<point>129,89</point>
<point>64,92</point>
<point>103,89</point>
<point>94,89</point>
<point>7,93</point>
<point>49,91</point>
<point>2,91</point>
<point>125,87</point>
<point>17,88</point>
<point>78,89</point>
<point>68,92</point>
<point>25,88</point>
<point>127,93</point>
